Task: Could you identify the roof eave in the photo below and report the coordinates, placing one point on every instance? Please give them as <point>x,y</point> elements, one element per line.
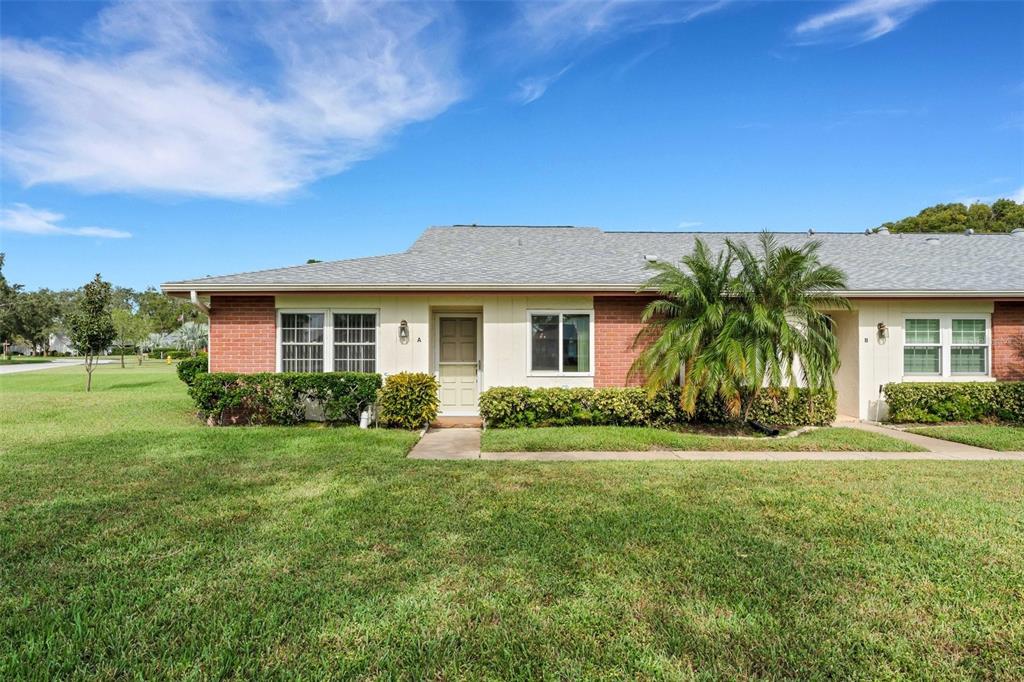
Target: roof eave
<point>213,288</point>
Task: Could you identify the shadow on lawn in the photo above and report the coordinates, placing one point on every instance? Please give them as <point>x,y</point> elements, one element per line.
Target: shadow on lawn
<point>248,550</point>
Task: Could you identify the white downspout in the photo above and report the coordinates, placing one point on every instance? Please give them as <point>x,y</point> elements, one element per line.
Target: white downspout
<point>199,304</point>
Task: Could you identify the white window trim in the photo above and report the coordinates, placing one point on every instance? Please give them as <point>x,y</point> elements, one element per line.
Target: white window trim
<point>946,345</point>
<point>530,372</point>
<point>328,342</point>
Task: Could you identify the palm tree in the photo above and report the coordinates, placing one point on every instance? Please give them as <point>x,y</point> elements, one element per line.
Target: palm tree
<point>680,326</point>
<point>744,321</point>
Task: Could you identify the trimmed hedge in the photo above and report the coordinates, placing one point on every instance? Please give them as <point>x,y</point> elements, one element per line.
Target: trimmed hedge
<point>518,406</point>
<point>408,400</point>
<point>955,402</point>
<point>188,368</point>
<point>283,399</point>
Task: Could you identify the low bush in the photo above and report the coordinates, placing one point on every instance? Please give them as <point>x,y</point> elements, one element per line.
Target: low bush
<point>517,406</point>
<point>408,400</point>
<point>955,402</point>
<point>189,367</point>
<point>283,399</point>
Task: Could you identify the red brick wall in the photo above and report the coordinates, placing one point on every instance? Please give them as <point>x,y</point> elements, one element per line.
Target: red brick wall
<point>1007,325</point>
<point>616,323</point>
<point>243,332</point>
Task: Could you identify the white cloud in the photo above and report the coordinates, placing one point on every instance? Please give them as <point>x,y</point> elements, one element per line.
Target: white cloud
<point>551,24</point>
<point>544,27</point>
<point>687,224</point>
<point>159,100</point>
<point>1018,196</point>
<point>39,221</point>
<point>858,21</point>
<point>533,88</point>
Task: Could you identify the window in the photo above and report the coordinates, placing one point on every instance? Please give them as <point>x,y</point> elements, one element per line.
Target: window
<point>302,342</point>
<point>946,345</point>
<point>922,352</point>
<point>968,353</point>
<point>355,342</point>
<point>560,342</point>
<point>327,340</point>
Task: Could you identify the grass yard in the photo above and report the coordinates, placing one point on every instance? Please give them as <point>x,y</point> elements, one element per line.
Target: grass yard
<point>24,360</point>
<point>622,438</point>
<point>993,437</point>
<point>135,543</point>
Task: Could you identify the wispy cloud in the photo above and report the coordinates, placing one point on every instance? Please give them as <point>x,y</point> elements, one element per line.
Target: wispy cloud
<point>858,21</point>
<point>533,88</point>
<point>553,24</point>
<point>687,224</point>
<point>1018,196</point>
<point>544,28</point>
<point>158,99</point>
<point>39,221</point>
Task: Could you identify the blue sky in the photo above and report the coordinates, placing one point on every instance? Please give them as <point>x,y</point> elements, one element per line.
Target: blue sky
<point>153,142</point>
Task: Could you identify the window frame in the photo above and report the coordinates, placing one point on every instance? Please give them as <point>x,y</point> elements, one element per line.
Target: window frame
<point>987,346</point>
<point>328,333</point>
<point>561,312</point>
<point>946,346</point>
<point>938,344</point>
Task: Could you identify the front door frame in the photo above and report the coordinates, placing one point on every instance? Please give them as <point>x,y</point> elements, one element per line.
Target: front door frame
<point>479,356</point>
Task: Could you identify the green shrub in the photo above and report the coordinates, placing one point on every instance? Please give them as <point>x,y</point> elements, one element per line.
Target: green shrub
<point>955,402</point>
<point>283,399</point>
<point>177,354</point>
<point>408,400</point>
<point>508,407</point>
<point>188,368</point>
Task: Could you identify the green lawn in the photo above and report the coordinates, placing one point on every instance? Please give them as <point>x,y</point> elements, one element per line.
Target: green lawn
<point>638,438</point>
<point>137,544</point>
<point>24,359</point>
<point>993,437</point>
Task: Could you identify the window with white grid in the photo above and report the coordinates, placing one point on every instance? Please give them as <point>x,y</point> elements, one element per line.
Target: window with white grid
<point>946,345</point>
<point>302,342</point>
<point>922,349</point>
<point>968,352</point>
<point>355,342</point>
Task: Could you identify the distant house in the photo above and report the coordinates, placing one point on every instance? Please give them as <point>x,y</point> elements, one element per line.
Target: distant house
<point>559,306</point>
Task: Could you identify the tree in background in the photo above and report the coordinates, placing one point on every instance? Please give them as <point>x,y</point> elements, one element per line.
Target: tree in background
<point>132,329</point>
<point>36,315</point>
<point>165,313</point>
<point>1003,215</point>
<point>738,322</point>
<point>90,324</point>
<point>9,294</point>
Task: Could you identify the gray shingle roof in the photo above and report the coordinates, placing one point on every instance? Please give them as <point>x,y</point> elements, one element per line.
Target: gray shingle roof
<point>589,258</point>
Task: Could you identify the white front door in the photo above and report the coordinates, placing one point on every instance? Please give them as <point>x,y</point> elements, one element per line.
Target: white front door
<point>458,364</point>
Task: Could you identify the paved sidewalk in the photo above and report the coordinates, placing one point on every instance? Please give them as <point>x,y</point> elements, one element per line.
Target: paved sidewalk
<point>35,366</point>
<point>465,444</point>
<point>448,444</point>
<point>934,445</point>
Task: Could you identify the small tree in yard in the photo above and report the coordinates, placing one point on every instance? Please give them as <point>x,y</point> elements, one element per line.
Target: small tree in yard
<point>91,326</point>
<point>132,328</point>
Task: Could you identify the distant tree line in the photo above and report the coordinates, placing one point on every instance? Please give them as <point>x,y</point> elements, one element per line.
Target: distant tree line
<point>30,318</point>
<point>1002,215</point>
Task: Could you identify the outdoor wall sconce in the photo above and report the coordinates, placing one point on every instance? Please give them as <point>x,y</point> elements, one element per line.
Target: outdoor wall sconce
<point>403,331</point>
<point>883,332</point>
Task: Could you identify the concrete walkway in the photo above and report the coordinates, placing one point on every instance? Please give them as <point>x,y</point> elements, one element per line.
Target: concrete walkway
<point>35,366</point>
<point>445,444</point>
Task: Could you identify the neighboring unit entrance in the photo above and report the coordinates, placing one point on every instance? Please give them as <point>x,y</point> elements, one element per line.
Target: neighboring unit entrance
<point>458,363</point>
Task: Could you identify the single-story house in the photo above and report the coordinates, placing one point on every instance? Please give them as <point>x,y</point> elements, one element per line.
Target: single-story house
<point>560,306</point>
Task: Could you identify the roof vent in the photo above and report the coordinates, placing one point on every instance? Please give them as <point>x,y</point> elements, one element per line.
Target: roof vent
<point>968,231</point>
<point>1017,232</point>
<point>651,259</point>
<point>810,231</point>
<point>932,240</point>
<point>883,230</point>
